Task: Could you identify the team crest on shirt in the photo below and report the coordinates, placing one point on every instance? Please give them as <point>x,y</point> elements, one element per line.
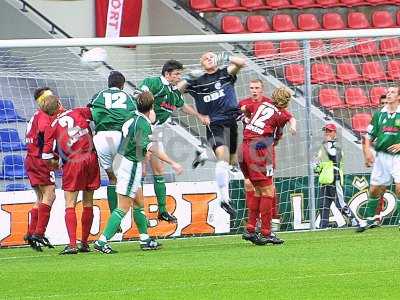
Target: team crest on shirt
<point>397,123</point>
<point>218,85</point>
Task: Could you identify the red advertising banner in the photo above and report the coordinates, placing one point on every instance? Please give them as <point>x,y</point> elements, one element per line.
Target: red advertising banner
<point>118,18</point>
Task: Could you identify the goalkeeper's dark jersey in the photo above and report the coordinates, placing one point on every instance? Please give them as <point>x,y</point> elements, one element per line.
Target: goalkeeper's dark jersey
<point>214,95</point>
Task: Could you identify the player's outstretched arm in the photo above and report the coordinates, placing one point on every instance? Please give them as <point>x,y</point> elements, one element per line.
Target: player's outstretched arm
<point>178,169</point>
<point>368,155</point>
<point>205,120</point>
<point>292,126</point>
<point>235,64</point>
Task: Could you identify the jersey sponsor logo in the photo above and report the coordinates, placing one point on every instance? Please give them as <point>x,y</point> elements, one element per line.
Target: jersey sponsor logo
<point>214,96</point>
<point>390,129</point>
<point>168,106</point>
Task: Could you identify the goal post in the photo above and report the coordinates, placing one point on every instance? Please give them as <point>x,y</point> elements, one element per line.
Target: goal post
<point>335,76</point>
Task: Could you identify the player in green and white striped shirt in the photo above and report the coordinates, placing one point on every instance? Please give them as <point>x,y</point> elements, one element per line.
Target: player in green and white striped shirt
<point>384,133</point>
<point>132,151</point>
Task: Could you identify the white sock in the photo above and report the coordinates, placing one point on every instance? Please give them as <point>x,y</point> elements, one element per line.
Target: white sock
<point>222,179</point>
<point>103,238</point>
<point>143,236</point>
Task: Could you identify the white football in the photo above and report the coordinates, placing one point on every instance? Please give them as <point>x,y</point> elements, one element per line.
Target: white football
<point>94,58</point>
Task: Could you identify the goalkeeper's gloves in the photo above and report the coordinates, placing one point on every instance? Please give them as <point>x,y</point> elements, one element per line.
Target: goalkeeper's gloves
<point>222,58</point>
<point>192,75</point>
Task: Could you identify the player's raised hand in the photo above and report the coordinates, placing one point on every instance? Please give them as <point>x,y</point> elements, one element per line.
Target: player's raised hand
<point>394,148</point>
<point>369,158</point>
<point>178,169</point>
<point>222,58</point>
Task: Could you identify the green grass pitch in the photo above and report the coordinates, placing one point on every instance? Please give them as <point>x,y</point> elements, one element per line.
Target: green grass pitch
<point>334,264</point>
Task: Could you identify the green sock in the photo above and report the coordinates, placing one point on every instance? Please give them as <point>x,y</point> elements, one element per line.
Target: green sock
<point>140,220</point>
<point>112,197</point>
<point>371,207</point>
<point>113,223</point>
<point>161,191</point>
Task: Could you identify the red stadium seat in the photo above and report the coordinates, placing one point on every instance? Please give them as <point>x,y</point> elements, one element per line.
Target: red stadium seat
<point>228,5</point>
<point>264,49</point>
<point>373,71</point>
<point>357,20</point>
<point>375,95</point>
<point>308,22</point>
<point>279,4</point>
<point>294,74</point>
<point>257,24</point>
<point>232,24</point>
<point>330,98</point>
<point>390,46</point>
<point>322,73</point>
<point>327,3</point>
<point>382,19</point>
<point>317,44</point>
<point>355,97</point>
<point>203,5</point>
<point>380,2</point>
<point>289,46</point>
<point>393,70</point>
<point>398,17</point>
<point>351,3</point>
<point>333,21</point>
<point>253,4</point>
<point>366,46</point>
<point>347,72</point>
<point>344,47</point>
<point>303,3</point>
<point>283,22</point>
<point>360,122</point>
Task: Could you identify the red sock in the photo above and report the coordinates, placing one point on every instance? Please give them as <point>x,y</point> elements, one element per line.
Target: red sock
<point>70,221</point>
<point>252,204</point>
<point>266,215</point>
<point>275,207</point>
<point>33,221</point>
<point>87,220</point>
<point>380,207</point>
<point>43,219</point>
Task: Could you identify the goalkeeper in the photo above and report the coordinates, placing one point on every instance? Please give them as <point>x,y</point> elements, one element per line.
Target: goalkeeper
<point>215,96</point>
<point>134,146</point>
<point>384,132</point>
<point>167,98</point>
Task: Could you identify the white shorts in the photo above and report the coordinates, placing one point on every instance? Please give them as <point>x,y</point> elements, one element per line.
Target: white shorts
<point>157,136</point>
<point>386,169</point>
<point>129,177</point>
<point>106,144</point>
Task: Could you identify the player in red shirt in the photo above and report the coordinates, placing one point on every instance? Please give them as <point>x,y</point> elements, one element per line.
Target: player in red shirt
<point>263,129</point>
<point>41,177</point>
<point>81,171</point>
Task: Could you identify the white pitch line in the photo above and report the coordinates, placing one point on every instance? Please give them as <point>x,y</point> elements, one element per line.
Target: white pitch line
<point>205,284</point>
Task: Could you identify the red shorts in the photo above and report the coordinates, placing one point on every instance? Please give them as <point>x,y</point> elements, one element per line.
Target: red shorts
<point>81,174</point>
<point>254,164</point>
<point>38,171</point>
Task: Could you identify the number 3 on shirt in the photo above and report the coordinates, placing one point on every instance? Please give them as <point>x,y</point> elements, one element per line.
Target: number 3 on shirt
<point>262,114</point>
<point>115,100</point>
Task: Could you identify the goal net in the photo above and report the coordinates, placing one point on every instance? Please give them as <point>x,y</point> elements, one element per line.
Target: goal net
<point>338,80</point>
